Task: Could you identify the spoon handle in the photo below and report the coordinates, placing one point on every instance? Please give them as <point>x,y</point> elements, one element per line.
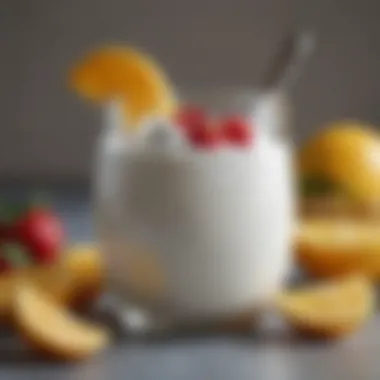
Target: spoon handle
<point>294,51</point>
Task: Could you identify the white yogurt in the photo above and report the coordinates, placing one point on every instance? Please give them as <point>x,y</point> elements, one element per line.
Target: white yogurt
<point>203,233</point>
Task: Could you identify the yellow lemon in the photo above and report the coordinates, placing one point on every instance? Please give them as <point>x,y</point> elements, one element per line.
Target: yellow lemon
<point>345,155</point>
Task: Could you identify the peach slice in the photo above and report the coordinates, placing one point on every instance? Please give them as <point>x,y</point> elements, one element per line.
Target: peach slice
<point>48,327</point>
<point>77,279</point>
<point>53,278</point>
<point>118,72</point>
<point>327,248</point>
<point>330,310</point>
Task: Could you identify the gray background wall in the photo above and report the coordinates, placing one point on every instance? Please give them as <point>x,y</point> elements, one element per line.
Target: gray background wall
<point>47,133</point>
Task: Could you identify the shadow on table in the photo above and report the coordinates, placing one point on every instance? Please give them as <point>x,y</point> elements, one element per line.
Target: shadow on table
<point>14,352</point>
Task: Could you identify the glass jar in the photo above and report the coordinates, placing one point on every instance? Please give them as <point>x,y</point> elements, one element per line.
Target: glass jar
<point>197,236</point>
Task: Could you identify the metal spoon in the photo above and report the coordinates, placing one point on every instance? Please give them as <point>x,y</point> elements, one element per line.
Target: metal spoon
<point>294,52</point>
<point>273,109</point>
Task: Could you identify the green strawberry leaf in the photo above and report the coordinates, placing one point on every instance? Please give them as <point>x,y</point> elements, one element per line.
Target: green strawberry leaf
<point>16,254</point>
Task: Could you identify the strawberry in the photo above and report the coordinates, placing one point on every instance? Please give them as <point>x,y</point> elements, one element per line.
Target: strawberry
<point>237,131</point>
<point>29,233</point>
<point>42,232</point>
<point>190,117</point>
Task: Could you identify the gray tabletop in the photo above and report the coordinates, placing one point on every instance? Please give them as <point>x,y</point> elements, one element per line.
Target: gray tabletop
<point>266,355</point>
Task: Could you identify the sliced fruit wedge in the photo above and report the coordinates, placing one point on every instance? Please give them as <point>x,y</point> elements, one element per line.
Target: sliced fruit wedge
<point>84,263</point>
<point>48,327</point>
<point>76,280</point>
<point>327,248</point>
<point>128,75</point>
<point>53,278</point>
<point>332,309</point>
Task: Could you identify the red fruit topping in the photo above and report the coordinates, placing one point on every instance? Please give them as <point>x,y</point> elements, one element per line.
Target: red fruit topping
<point>236,130</point>
<point>205,137</point>
<point>42,232</point>
<point>191,117</point>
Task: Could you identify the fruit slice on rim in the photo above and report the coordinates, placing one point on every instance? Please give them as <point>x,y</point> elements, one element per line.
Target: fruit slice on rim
<point>329,310</point>
<point>125,74</point>
<point>50,328</point>
<point>336,247</point>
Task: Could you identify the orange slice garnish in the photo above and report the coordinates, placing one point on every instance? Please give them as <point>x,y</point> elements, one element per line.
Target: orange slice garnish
<point>127,75</point>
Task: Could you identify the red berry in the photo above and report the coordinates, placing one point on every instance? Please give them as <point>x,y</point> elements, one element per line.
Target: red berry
<point>41,231</point>
<point>236,130</point>
<point>191,117</point>
<point>205,137</point>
